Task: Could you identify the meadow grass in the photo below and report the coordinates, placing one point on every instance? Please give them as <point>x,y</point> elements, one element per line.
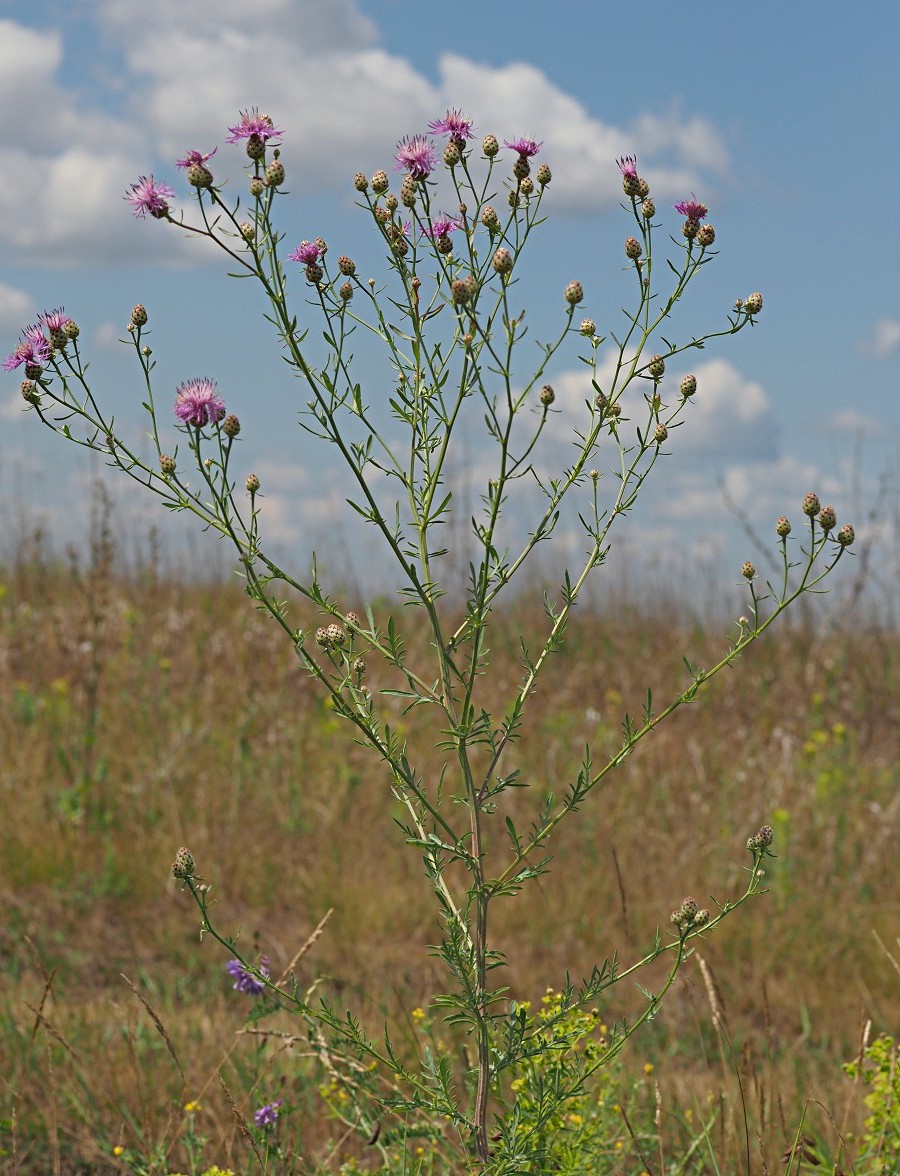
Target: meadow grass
<point>140,713</point>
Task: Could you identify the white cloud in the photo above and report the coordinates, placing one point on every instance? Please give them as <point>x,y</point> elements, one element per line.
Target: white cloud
<point>885,339</point>
<point>850,423</point>
<point>17,310</point>
<point>342,100</point>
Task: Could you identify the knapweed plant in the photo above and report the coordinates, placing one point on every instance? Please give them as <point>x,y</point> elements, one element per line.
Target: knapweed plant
<point>448,318</point>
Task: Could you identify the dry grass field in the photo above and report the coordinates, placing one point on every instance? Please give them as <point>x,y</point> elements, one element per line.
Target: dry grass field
<point>139,714</point>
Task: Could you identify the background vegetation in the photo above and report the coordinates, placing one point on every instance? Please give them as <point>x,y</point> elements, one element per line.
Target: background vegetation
<point>139,713</point>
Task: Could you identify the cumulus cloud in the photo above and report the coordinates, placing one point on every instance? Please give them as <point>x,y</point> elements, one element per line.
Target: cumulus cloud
<point>885,339</point>
<point>17,309</point>
<point>144,108</point>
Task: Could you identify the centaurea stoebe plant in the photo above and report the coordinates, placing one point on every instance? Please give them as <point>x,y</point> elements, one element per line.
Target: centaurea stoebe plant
<point>449,321</point>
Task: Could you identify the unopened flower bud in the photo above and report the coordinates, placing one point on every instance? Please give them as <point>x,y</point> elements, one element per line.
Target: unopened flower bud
<point>648,209</point>
<point>314,273</point>
<point>701,918</point>
<point>766,835</point>
<point>452,153</point>
<point>335,635</point>
<point>408,192</point>
<point>521,168</point>
<point>381,215</point>
<point>257,186</point>
<point>543,175</point>
<point>574,293</point>
<point>359,667</point>
<point>502,261</point>
<point>33,371</point>
<point>811,504</point>
<point>323,246</point>
<point>489,218</point>
<point>275,173</point>
<point>660,433</point>
<point>643,189</point>
<point>71,329</point>
<point>633,248</point>
<point>706,236</point>
<point>248,231</point>
<point>352,618</point>
<point>360,183</point>
<point>588,327</point>
<point>30,392</point>
<point>346,291</point>
<point>688,385</point>
<point>748,571</point>
<point>199,176</point>
<point>167,464</point>
<point>512,198</point>
<point>390,202</point>
<point>252,483</point>
<point>380,182</point>
<point>846,535</point>
<point>460,292</point>
<point>183,866</point>
<point>526,186</point>
<point>322,636</point>
<point>753,303</point>
<point>689,909</point>
<point>139,315</point>
<point>657,367</point>
<point>547,395</point>
<point>631,184</point>
<point>490,146</point>
<point>827,518</point>
<point>346,266</point>
<point>783,527</point>
<point>231,426</point>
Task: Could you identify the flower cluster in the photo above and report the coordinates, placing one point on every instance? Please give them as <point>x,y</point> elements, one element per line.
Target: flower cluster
<point>245,981</point>
<point>267,1116</point>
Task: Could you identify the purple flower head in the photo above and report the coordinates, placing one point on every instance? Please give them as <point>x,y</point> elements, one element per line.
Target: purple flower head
<point>442,226</point>
<point>195,158</point>
<point>416,156</point>
<point>54,320</point>
<point>692,208</point>
<point>148,196</point>
<point>628,165</point>
<point>454,124</point>
<point>267,1116</point>
<point>525,147</point>
<point>245,981</point>
<point>253,123</point>
<point>33,348</point>
<point>307,252</point>
<point>197,403</point>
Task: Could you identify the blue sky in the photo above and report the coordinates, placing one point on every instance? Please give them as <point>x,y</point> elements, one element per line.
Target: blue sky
<point>782,118</point>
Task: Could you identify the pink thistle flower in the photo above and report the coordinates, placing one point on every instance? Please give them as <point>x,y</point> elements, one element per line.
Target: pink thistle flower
<point>32,350</point>
<point>197,403</point>
<point>307,252</point>
<point>454,124</point>
<point>525,147</point>
<point>416,156</point>
<point>253,123</point>
<point>628,165</point>
<point>148,196</point>
<point>692,209</point>
<point>54,320</point>
<point>442,226</point>
<point>195,159</point>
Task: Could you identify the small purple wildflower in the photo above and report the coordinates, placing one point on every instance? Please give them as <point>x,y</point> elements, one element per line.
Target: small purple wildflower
<point>416,156</point>
<point>525,147</point>
<point>454,124</point>
<point>267,1116</point>
<point>197,403</point>
<point>628,165</point>
<point>442,226</point>
<point>253,123</point>
<point>692,209</point>
<point>307,252</point>
<point>148,196</point>
<point>33,348</point>
<point>195,158</point>
<point>54,320</point>
<point>244,981</point>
